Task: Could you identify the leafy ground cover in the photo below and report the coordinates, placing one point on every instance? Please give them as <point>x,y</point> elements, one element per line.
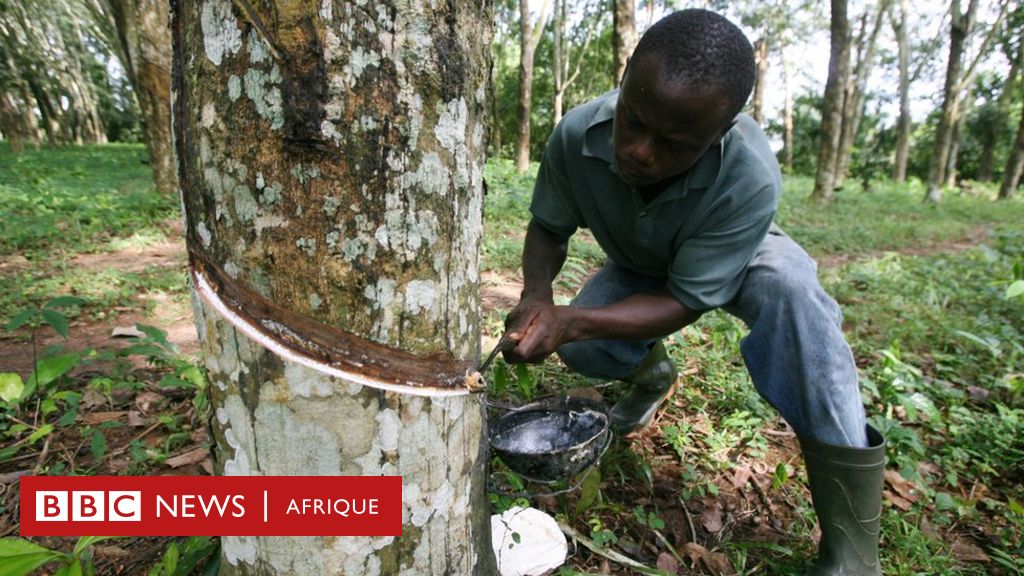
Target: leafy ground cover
<point>715,486</point>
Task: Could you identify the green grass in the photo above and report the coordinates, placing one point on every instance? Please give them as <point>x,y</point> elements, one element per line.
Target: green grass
<point>890,216</point>
<point>55,204</point>
<point>77,198</point>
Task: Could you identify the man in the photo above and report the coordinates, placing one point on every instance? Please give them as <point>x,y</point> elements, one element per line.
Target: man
<point>679,190</point>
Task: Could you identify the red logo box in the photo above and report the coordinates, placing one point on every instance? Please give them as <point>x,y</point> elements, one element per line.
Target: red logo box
<point>211,505</point>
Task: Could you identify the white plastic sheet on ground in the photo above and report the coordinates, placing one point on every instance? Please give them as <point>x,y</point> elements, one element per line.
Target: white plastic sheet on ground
<point>527,542</point>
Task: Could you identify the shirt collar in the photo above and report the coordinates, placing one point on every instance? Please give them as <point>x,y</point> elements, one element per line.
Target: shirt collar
<point>597,143</point>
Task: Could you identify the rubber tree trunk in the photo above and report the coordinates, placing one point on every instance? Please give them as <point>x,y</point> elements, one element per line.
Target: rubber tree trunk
<point>903,122</point>
<point>760,85</point>
<point>144,34</point>
<point>330,159</point>
<point>624,35</point>
<point>832,116</point>
<point>960,28</point>
<point>856,92</point>
<point>787,117</point>
<point>557,56</point>
<point>10,128</point>
<point>529,38</point>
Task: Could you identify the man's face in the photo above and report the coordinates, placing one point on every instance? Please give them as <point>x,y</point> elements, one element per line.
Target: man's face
<point>663,127</point>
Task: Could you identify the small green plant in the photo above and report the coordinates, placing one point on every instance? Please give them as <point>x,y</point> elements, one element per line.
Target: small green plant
<point>38,392</point>
<point>600,534</point>
<point>186,558</point>
<point>648,518</point>
<point>19,556</point>
<point>160,352</point>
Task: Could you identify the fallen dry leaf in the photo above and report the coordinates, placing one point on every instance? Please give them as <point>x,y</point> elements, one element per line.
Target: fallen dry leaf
<point>667,563</point>
<point>711,518</point>
<point>978,394</point>
<point>967,551</point>
<point>740,476</point>
<point>94,418</point>
<point>91,398</point>
<point>135,419</point>
<point>693,552</point>
<point>905,488</point>
<point>897,500</point>
<point>193,456</point>
<point>718,564</point>
<point>146,400</point>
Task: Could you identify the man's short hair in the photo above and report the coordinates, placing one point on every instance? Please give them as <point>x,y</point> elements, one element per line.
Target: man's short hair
<point>702,48</point>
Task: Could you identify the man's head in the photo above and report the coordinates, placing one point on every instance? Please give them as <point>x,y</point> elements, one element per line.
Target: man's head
<point>689,76</point>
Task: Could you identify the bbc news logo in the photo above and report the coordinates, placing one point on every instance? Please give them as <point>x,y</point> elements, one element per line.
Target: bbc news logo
<point>211,505</point>
<point>88,506</point>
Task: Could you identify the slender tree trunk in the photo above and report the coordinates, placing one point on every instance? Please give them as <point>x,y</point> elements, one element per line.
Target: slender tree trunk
<point>960,28</point>
<point>330,160</point>
<point>557,42</point>
<point>50,116</point>
<point>954,143</point>
<point>991,136</point>
<point>623,35</point>
<point>144,35</point>
<point>1014,164</point>
<point>831,118</point>
<point>856,92</point>
<point>787,117</point>
<point>760,83</point>
<point>903,123</point>
<point>495,119</point>
<point>10,124</point>
<point>529,38</point>
<point>83,111</point>
<point>96,131</point>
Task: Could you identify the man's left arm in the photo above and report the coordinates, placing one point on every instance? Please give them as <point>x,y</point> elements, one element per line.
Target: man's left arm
<point>638,317</point>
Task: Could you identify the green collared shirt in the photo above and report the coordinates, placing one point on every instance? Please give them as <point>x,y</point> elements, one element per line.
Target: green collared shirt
<point>699,233</point>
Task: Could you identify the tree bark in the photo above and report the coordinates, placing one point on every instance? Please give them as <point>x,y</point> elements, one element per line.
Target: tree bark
<point>623,35</point>
<point>954,142</point>
<point>144,34</point>
<point>565,73</point>
<point>10,125</point>
<point>1014,164</point>
<point>960,28</point>
<point>557,43</point>
<point>330,160</point>
<point>760,83</point>
<point>787,117</point>
<point>831,118</point>
<point>903,122</point>
<point>856,89</point>
<point>529,38</point>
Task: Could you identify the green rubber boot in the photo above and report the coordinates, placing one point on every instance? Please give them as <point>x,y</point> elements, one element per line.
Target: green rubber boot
<point>650,383</point>
<point>846,486</point>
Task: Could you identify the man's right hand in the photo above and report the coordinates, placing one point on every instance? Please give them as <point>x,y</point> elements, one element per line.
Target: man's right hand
<point>539,328</point>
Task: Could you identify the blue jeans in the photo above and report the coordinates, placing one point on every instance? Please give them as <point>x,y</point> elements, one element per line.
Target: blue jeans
<point>796,353</point>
